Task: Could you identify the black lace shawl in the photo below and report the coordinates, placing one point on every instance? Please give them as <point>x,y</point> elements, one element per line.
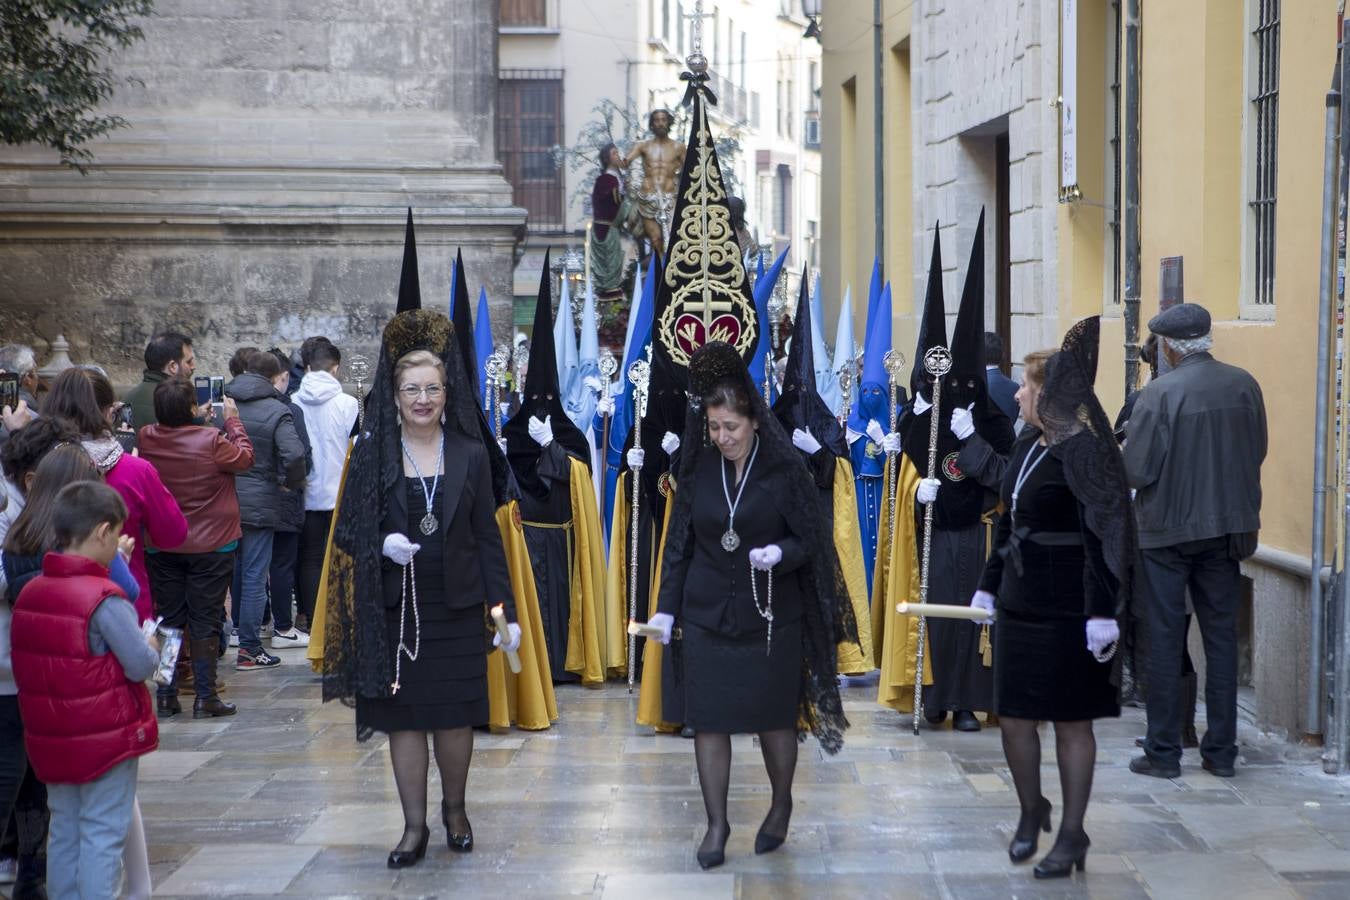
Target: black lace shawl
<point>1079,435</point>
<point>357,661</point>
<point>828,614</point>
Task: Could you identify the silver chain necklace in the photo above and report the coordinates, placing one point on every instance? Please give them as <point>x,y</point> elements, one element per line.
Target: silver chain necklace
<point>429,523</point>
<point>1023,473</point>
<point>730,539</point>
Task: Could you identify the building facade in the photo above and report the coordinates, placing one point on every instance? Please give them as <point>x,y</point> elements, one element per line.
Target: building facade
<point>561,60</point>
<point>259,194</point>
<point>1230,210</point>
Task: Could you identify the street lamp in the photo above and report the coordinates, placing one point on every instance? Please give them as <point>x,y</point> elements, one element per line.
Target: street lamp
<point>811,9</point>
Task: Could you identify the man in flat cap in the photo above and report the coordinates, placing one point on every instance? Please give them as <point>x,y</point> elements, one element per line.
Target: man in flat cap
<point>1193,451</point>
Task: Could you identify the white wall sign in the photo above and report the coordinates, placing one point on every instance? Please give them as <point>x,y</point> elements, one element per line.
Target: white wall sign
<point>1068,107</point>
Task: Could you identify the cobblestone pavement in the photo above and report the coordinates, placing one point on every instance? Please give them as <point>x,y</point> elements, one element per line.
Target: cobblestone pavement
<point>282,800</point>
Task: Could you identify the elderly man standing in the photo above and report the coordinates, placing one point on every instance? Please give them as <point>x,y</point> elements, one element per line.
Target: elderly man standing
<point>1193,451</point>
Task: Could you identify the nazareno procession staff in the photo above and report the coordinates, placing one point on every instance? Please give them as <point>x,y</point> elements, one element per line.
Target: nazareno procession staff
<point>1060,577</point>
<point>415,563</point>
<point>751,577</point>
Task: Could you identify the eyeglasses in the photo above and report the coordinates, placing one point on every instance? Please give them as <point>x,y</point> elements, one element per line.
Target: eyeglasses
<point>430,391</point>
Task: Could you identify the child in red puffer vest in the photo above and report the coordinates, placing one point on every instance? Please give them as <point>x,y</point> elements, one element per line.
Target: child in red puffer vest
<point>80,663</point>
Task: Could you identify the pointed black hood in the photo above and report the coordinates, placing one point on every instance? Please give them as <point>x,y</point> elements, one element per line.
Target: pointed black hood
<point>965,383</point>
<point>409,289</point>
<point>800,405</point>
<point>542,399</point>
<point>961,499</point>
<point>933,325</point>
<point>460,315</point>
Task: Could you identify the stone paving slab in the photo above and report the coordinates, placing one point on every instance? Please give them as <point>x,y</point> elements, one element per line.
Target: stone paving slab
<point>282,801</point>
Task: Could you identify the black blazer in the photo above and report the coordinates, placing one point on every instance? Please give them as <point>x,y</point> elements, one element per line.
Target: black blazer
<point>710,587</point>
<point>475,570</point>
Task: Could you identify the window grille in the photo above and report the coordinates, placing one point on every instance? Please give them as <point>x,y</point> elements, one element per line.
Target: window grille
<point>1265,113</point>
<point>529,126</point>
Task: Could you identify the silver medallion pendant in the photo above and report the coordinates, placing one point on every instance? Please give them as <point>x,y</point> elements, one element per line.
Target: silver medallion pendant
<point>731,540</point>
<point>429,524</point>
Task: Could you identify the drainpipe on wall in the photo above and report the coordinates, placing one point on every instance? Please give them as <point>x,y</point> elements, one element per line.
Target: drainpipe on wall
<point>1312,731</point>
<point>1334,759</point>
<point>879,127</point>
<point>1130,189</point>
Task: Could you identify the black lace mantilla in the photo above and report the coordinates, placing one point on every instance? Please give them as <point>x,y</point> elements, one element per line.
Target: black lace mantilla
<point>357,661</point>
<point>1079,434</point>
<point>828,615</point>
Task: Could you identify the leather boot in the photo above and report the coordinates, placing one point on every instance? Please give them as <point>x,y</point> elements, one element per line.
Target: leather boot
<point>208,704</point>
<point>183,670</point>
<point>1189,688</point>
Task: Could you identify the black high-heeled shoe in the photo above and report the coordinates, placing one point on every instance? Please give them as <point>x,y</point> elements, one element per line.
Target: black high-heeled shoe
<point>402,859</point>
<point>1062,866</point>
<point>709,859</point>
<point>767,843</point>
<point>1024,848</point>
<point>459,843</point>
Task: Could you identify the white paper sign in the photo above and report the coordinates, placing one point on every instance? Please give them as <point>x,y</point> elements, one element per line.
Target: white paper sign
<point>1068,110</point>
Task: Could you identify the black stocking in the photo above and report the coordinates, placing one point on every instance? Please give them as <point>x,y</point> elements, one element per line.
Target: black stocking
<point>408,753</point>
<point>780,760</point>
<point>712,752</point>
<point>1022,747</point>
<point>1076,747</point>
<point>454,750</point>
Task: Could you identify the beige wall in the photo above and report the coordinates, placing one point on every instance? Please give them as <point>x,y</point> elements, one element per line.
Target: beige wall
<point>848,183</point>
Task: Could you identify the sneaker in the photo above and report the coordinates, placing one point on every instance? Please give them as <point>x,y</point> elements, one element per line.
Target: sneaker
<point>293,638</point>
<point>248,662</point>
<point>265,630</point>
<point>234,637</point>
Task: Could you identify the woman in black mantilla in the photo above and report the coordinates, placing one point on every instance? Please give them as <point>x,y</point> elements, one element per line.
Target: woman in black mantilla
<point>752,578</point>
<point>1061,577</point>
<point>417,560</point>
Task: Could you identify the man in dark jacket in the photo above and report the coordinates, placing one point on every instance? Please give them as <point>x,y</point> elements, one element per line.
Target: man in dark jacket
<point>278,466</point>
<point>1194,445</point>
<point>286,537</point>
<point>1002,389</point>
<point>168,355</point>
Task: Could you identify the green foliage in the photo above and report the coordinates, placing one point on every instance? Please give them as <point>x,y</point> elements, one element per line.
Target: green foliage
<point>54,71</point>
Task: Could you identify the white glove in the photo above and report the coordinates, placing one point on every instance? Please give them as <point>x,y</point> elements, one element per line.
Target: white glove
<point>512,645</point>
<point>963,423</point>
<point>803,440</point>
<point>501,442</point>
<point>928,490</point>
<point>921,405</point>
<point>505,407</point>
<point>664,621</point>
<point>765,558</point>
<point>891,442</point>
<point>542,432</point>
<point>635,457</point>
<point>399,549</point>
<point>593,384</point>
<point>1101,633</point>
<point>670,442</point>
<point>985,601</point>
<point>605,406</point>
<point>875,432</point>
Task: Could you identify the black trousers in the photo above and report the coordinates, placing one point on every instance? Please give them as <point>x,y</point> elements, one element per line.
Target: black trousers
<point>21,794</point>
<point>313,543</point>
<point>281,578</point>
<point>189,589</point>
<point>1211,573</point>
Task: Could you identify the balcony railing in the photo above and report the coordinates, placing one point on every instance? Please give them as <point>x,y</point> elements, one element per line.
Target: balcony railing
<point>733,103</point>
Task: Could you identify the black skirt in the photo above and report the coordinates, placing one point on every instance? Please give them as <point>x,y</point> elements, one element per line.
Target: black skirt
<point>732,686</point>
<point>1044,671</point>
<point>446,686</point>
